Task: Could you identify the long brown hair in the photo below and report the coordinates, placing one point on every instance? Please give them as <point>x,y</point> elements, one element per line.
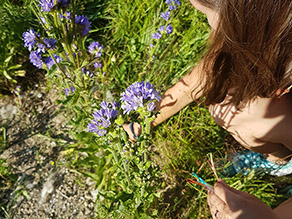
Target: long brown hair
<point>250,49</point>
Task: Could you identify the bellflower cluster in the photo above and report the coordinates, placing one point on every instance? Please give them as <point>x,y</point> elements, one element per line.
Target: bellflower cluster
<point>168,30</point>
<point>103,118</point>
<point>47,5</point>
<point>33,41</point>
<point>138,95</point>
<point>172,5</point>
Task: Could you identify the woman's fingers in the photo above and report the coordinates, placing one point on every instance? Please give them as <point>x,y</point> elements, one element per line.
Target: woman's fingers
<point>228,195</point>
<point>130,134</point>
<point>218,207</point>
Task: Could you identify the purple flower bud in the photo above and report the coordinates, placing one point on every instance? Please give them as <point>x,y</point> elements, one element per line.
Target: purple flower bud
<point>41,48</point>
<point>67,91</point>
<point>151,106</point>
<point>72,89</point>
<point>168,29</point>
<point>87,72</point>
<point>156,35</point>
<point>97,65</point>
<point>165,15</point>
<point>84,23</point>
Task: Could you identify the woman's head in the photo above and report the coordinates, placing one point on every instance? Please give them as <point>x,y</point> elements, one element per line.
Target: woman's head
<point>251,47</point>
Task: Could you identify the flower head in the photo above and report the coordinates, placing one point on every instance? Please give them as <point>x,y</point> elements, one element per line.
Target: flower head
<point>97,65</point>
<point>50,43</point>
<point>95,49</point>
<point>172,4</point>
<point>36,59</point>
<point>156,35</point>
<point>168,29</point>
<point>84,23</point>
<point>103,118</point>
<point>165,15</point>
<point>50,62</point>
<point>47,5</point>
<point>137,95</point>
<point>30,38</point>
<point>41,47</point>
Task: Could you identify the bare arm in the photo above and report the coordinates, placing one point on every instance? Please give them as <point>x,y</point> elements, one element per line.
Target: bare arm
<point>185,91</point>
<point>284,210</point>
<point>175,98</point>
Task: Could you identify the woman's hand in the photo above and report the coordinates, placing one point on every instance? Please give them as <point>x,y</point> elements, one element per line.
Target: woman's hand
<point>228,203</point>
<point>136,129</point>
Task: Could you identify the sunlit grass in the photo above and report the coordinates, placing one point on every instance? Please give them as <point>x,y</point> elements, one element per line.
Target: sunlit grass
<point>179,145</point>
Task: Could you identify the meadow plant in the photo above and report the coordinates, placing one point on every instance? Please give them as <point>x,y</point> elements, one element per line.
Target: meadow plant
<point>78,72</point>
<point>135,174</point>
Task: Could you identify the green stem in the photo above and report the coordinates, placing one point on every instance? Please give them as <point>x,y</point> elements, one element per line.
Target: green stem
<point>75,33</point>
<point>126,168</point>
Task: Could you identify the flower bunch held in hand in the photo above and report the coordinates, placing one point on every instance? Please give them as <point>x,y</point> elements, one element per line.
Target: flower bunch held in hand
<point>140,97</point>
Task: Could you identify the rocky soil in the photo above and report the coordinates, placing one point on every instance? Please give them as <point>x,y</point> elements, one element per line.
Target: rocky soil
<point>43,186</point>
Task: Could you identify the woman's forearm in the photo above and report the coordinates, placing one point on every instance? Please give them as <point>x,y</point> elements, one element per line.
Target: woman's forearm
<point>185,91</point>
<point>284,210</point>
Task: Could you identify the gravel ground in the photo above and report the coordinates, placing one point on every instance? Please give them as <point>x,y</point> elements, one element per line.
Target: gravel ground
<point>44,188</point>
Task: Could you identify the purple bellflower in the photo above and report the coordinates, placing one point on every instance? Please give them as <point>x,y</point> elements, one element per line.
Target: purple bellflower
<point>97,65</point>
<point>30,38</point>
<point>50,43</point>
<point>95,49</point>
<point>103,118</point>
<point>36,59</point>
<point>168,29</point>
<point>84,23</point>
<point>67,90</point>
<point>156,35</point>
<point>50,62</point>
<point>47,5</point>
<point>165,15</point>
<point>172,4</point>
<point>137,95</point>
